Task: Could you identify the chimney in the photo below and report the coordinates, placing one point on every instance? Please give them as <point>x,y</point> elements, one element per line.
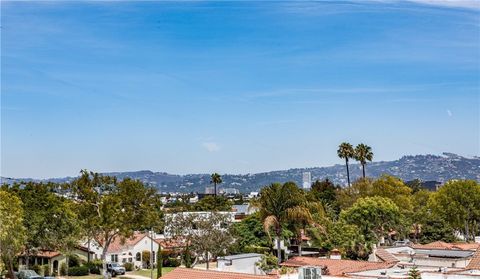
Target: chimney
<point>335,254</point>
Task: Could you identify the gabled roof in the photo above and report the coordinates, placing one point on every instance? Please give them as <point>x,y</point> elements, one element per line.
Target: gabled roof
<point>475,261</point>
<point>385,256</point>
<point>336,267</point>
<point>448,246</point>
<point>190,273</point>
<point>118,244</point>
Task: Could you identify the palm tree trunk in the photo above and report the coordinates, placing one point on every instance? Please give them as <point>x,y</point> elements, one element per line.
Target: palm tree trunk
<point>363,170</point>
<point>348,171</point>
<point>215,185</point>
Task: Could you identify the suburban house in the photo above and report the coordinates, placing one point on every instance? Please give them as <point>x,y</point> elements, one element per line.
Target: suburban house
<point>243,210</point>
<point>129,250</point>
<point>53,259</point>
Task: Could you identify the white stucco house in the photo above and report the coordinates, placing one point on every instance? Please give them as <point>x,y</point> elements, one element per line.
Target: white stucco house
<point>128,250</point>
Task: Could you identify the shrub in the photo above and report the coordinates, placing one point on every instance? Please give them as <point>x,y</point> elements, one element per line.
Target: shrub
<point>78,271</point>
<point>94,267</point>
<point>38,269</point>
<point>63,269</point>
<point>128,266</point>
<point>73,260</point>
<point>46,270</point>
<point>171,262</point>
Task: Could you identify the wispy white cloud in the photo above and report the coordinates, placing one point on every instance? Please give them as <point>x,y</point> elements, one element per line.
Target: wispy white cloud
<point>466,4</point>
<point>211,146</point>
<point>449,113</point>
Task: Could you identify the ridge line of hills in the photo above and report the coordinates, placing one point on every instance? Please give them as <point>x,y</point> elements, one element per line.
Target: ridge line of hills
<point>423,167</point>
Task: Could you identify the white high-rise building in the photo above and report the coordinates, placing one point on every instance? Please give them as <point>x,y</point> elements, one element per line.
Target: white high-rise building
<point>307,180</point>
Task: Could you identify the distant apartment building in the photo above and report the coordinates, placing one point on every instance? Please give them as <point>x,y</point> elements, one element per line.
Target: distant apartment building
<point>210,190</point>
<point>229,191</point>
<point>307,180</point>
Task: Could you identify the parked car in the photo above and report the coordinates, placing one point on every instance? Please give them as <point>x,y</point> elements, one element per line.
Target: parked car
<point>28,274</point>
<point>115,269</point>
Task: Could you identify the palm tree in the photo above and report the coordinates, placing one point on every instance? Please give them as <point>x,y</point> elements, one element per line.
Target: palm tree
<point>279,204</point>
<point>346,151</point>
<point>216,179</point>
<point>363,153</point>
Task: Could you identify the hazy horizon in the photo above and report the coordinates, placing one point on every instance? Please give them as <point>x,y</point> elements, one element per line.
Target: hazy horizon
<point>233,87</point>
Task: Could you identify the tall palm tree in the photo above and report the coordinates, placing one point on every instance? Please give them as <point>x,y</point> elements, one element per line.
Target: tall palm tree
<point>215,179</point>
<point>346,151</point>
<point>280,204</point>
<point>363,153</point>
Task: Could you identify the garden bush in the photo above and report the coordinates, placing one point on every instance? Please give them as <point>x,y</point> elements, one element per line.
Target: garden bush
<point>46,270</point>
<point>171,262</point>
<point>94,267</point>
<point>63,269</point>
<point>73,260</point>
<point>128,266</point>
<point>78,271</point>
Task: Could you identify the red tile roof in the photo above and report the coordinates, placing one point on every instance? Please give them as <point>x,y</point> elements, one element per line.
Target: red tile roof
<point>385,256</point>
<point>118,244</point>
<point>475,261</point>
<point>336,267</point>
<point>44,254</point>
<point>190,273</point>
<point>448,246</point>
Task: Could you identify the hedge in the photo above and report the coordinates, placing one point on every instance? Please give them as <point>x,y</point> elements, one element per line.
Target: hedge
<point>78,271</point>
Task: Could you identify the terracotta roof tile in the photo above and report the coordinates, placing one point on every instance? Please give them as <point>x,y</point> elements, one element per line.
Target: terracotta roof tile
<point>118,244</point>
<point>385,256</point>
<point>190,273</point>
<point>448,246</point>
<point>475,261</point>
<point>336,267</point>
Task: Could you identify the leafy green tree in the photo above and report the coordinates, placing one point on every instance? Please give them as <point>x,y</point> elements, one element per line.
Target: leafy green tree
<point>342,236</point>
<point>50,220</point>
<point>324,191</point>
<point>209,203</point>
<point>385,186</point>
<point>279,204</point>
<point>436,230</point>
<point>267,263</point>
<point>215,179</point>
<point>458,201</point>
<point>249,233</point>
<point>12,231</point>
<point>363,153</point>
<point>374,216</point>
<point>346,151</point>
<point>205,234</point>
<point>115,209</point>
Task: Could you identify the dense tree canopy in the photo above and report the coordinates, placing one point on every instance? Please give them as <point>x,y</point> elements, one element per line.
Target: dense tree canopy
<point>459,203</point>
<point>12,231</point>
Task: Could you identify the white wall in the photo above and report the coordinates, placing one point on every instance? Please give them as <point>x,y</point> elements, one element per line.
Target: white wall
<point>245,265</point>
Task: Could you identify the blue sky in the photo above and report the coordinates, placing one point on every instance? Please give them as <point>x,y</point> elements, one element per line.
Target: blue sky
<point>233,87</point>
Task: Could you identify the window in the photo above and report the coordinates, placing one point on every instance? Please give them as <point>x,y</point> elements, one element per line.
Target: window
<point>114,258</point>
<point>311,273</point>
<point>138,257</point>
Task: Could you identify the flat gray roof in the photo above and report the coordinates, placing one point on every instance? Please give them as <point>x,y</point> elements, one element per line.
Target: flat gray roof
<point>240,256</point>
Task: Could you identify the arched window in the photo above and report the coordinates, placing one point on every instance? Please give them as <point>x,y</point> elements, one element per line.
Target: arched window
<point>138,256</point>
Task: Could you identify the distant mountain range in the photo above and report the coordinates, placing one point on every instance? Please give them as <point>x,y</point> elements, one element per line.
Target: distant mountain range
<point>424,167</point>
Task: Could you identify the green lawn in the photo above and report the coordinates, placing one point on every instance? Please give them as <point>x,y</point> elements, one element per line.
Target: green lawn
<point>146,272</point>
